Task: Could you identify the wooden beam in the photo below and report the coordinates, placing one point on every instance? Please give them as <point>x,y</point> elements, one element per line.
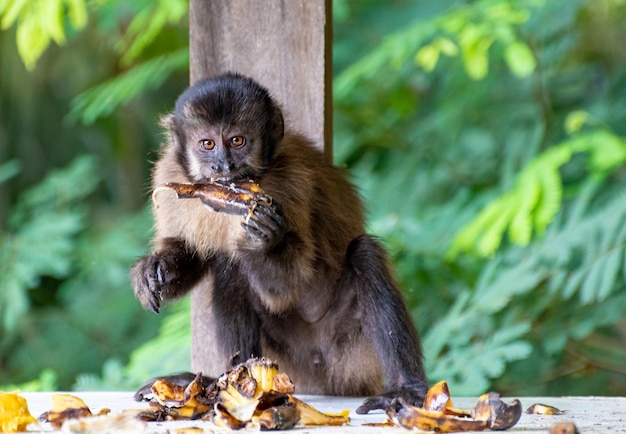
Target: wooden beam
<point>285,46</point>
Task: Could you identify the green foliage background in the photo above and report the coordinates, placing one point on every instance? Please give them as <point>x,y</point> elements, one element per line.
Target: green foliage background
<point>487,138</point>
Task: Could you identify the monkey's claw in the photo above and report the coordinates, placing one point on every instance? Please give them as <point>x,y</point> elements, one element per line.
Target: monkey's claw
<point>413,395</point>
<point>265,224</point>
<point>150,276</point>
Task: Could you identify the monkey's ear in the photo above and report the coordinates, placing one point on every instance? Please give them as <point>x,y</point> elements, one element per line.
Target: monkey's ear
<point>168,122</point>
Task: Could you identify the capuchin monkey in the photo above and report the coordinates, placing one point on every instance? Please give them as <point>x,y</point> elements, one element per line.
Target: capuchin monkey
<point>300,281</point>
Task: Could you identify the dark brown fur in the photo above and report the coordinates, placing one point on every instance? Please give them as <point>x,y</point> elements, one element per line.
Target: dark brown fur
<point>307,287</point>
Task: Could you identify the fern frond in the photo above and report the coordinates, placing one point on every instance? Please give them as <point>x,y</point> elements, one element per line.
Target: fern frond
<point>536,196</point>
<point>469,29</point>
<point>103,99</point>
<point>549,201</point>
<point>521,226</point>
<point>58,191</point>
<point>607,150</point>
<point>490,238</point>
<point>41,238</point>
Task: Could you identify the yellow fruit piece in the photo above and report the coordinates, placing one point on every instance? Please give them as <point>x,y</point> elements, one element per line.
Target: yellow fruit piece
<point>14,413</point>
<point>310,416</point>
<point>62,402</point>
<point>65,407</point>
<point>543,409</point>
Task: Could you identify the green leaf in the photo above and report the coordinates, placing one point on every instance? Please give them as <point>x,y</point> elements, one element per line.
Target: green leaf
<point>573,283</point>
<point>536,197</point>
<point>78,13</point>
<point>446,46</point>
<point>147,25</point>
<point>43,226</point>
<point>31,40</point>
<point>575,121</point>
<point>549,201</point>
<point>39,22</point>
<point>527,194</point>
<point>593,281</point>
<point>10,10</point>
<point>427,57</point>
<point>610,271</point>
<point>474,47</point>
<point>491,236</point>
<point>608,151</point>
<point>8,170</point>
<point>519,57</point>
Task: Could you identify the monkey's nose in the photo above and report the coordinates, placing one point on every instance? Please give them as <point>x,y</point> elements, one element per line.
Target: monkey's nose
<point>221,168</point>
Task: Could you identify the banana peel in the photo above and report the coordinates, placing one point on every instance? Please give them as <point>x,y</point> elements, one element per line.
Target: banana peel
<point>253,394</point>
<point>438,414</point>
<point>310,416</point>
<point>171,401</point>
<point>257,394</point>
<point>14,413</point>
<point>238,198</point>
<point>65,407</point>
<point>543,409</point>
<point>110,423</point>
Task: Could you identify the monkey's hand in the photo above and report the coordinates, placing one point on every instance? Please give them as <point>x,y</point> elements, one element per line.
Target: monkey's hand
<point>169,273</point>
<point>410,394</point>
<point>150,277</point>
<point>265,225</point>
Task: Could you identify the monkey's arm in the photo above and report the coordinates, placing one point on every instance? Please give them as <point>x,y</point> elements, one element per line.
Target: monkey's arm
<point>274,257</point>
<point>387,323</point>
<point>170,272</point>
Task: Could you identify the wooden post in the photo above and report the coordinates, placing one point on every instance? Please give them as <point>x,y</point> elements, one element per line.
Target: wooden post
<point>285,46</point>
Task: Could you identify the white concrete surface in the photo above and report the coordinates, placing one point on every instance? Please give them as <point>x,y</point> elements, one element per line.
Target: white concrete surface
<point>590,414</point>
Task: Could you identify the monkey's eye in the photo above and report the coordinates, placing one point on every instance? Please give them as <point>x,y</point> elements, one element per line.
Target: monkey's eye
<point>237,141</point>
<point>207,144</point>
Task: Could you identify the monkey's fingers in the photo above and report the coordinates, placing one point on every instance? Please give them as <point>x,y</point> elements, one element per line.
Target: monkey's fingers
<point>145,284</point>
<point>254,232</point>
<point>154,305</point>
<point>151,300</point>
<point>412,394</point>
<point>266,225</point>
<point>269,216</point>
<point>374,403</point>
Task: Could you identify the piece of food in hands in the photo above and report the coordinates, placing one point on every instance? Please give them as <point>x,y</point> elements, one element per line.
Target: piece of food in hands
<point>239,198</point>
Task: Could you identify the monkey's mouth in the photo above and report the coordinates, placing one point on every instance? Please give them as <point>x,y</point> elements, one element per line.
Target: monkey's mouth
<point>223,179</point>
<point>229,177</point>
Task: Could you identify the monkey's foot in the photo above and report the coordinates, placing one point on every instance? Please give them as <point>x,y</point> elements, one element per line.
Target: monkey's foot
<point>413,395</point>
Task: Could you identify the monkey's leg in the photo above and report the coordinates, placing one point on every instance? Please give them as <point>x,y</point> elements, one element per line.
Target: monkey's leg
<point>386,322</point>
<point>170,272</point>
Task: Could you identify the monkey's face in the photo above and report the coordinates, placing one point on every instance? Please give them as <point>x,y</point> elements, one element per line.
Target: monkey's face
<point>222,153</point>
<point>226,128</point>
